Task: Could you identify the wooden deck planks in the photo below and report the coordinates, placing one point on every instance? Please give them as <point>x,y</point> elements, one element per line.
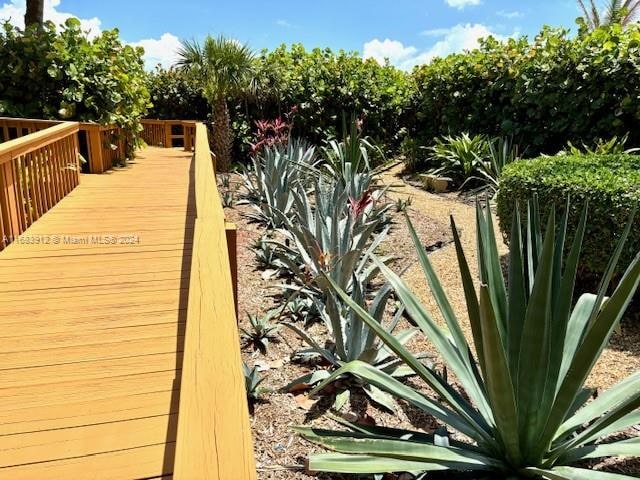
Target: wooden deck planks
<point>93,334</point>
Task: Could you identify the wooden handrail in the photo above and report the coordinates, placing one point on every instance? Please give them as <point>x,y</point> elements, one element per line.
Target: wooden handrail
<point>97,139</point>
<point>36,171</point>
<point>33,141</point>
<point>214,435</point>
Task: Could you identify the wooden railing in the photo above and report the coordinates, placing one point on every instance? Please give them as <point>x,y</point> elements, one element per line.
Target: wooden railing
<point>106,146</point>
<point>169,133</point>
<point>12,128</point>
<point>214,435</point>
<point>103,146</point>
<point>37,170</point>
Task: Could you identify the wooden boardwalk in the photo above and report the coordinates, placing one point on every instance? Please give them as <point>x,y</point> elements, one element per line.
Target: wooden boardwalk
<point>93,307</point>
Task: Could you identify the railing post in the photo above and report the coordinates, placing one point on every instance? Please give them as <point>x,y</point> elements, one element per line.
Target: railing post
<point>8,205</point>
<point>94,146</point>
<point>168,142</point>
<point>188,138</point>
<point>232,249</point>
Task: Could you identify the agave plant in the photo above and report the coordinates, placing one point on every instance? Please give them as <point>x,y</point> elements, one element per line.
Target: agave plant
<point>526,412</point>
<point>352,339</point>
<point>348,162</point>
<point>502,151</point>
<point>272,178</point>
<point>260,332</point>
<point>253,383</point>
<point>459,158</point>
<point>402,204</point>
<point>228,199</point>
<point>300,308</point>
<point>613,146</point>
<point>266,256</point>
<point>336,235</point>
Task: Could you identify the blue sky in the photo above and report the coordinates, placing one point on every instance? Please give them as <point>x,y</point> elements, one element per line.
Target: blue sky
<point>406,31</point>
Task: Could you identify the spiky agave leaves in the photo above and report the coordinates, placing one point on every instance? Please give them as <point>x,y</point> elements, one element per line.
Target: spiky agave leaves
<point>351,339</point>
<point>273,177</point>
<point>526,408</point>
<point>328,233</point>
<point>260,332</point>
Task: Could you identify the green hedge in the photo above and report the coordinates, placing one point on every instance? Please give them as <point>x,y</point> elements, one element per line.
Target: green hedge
<point>175,96</point>
<point>323,84</point>
<point>555,88</point>
<point>611,184</point>
<point>61,74</point>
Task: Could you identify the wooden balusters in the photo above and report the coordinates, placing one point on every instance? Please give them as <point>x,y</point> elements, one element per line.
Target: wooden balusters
<point>36,172</point>
<point>169,133</point>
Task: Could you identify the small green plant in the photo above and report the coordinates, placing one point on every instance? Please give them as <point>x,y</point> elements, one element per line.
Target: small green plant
<point>526,411</point>
<point>260,332</point>
<point>613,146</point>
<point>403,204</point>
<point>253,384</point>
<point>414,156</point>
<point>228,199</point>
<point>460,158</point>
<point>225,181</point>
<point>300,308</point>
<point>267,257</point>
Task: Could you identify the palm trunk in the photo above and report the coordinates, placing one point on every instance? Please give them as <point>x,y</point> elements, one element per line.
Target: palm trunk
<point>35,13</point>
<point>222,138</point>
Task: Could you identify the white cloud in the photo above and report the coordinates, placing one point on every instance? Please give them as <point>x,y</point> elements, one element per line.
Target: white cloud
<point>14,12</point>
<point>393,50</point>
<point>510,15</point>
<point>455,39</point>
<point>285,24</point>
<point>461,4</point>
<point>461,37</point>
<point>436,32</point>
<point>163,51</point>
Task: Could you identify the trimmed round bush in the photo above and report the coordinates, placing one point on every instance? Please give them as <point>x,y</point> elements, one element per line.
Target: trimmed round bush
<point>611,184</point>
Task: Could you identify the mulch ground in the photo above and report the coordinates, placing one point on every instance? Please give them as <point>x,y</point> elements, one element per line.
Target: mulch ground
<point>280,453</point>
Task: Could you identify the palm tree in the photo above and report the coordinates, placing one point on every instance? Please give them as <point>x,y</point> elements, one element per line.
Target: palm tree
<point>35,13</point>
<point>223,68</point>
<point>623,12</point>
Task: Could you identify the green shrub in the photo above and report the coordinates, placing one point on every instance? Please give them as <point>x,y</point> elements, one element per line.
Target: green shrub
<point>611,184</point>
<point>175,96</point>
<point>324,84</point>
<point>64,75</point>
<point>544,92</point>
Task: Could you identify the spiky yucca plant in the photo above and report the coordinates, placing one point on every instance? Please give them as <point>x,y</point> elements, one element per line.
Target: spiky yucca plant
<point>526,411</point>
<point>461,158</point>
<point>253,384</point>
